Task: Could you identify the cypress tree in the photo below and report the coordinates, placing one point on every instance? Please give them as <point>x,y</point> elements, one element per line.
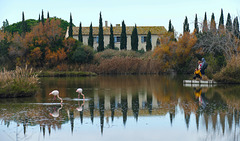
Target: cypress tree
<point>170,27</point>
<point>229,23</point>
<point>48,15</point>
<point>236,27</point>
<point>186,25</point>
<point>123,43</point>
<point>134,39</point>
<point>90,38</point>
<point>213,24</point>
<point>24,26</point>
<point>221,21</point>
<point>205,25</point>
<point>42,18</point>
<point>100,35</point>
<point>80,38</point>
<point>148,41</point>
<point>70,31</point>
<point>196,28</point>
<point>39,19</point>
<point>111,41</point>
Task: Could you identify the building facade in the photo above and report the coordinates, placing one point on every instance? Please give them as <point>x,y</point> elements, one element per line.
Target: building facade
<point>156,32</point>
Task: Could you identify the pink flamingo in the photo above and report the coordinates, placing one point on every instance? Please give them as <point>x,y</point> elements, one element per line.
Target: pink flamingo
<point>79,91</point>
<point>56,93</point>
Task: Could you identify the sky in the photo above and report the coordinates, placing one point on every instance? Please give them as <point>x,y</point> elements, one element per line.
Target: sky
<point>139,12</point>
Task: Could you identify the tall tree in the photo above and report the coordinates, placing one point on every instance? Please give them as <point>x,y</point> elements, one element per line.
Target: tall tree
<point>236,27</point>
<point>80,38</point>
<point>170,26</point>
<point>48,15</point>
<point>90,38</point>
<point>186,25</point>
<point>39,19</point>
<point>123,42</point>
<point>134,39</point>
<point>221,21</point>
<point>24,25</point>
<point>229,23</point>
<point>42,17</point>
<point>149,41</point>
<point>100,35</point>
<point>5,24</point>
<point>213,24</point>
<point>70,31</point>
<point>196,28</point>
<point>205,24</point>
<point>111,41</point>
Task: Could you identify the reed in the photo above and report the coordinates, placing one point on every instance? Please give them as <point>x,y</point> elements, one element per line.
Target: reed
<point>21,82</point>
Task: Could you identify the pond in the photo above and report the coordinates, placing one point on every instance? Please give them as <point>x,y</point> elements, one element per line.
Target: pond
<point>141,107</point>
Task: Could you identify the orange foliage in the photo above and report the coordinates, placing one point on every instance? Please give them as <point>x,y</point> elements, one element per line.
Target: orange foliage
<point>69,43</point>
<point>184,46</point>
<point>35,56</point>
<point>61,54</point>
<point>52,57</point>
<point>2,35</point>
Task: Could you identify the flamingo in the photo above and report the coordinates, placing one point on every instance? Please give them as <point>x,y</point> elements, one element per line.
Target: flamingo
<point>56,93</point>
<point>79,91</point>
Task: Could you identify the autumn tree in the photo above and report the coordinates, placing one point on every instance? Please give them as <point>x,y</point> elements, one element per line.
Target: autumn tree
<point>149,41</point>
<point>205,24</point>
<point>90,38</point>
<point>80,38</point>
<point>123,42</point>
<point>111,40</point>
<point>134,39</point>
<point>213,24</point>
<point>100,35</point>
<point>196,28</point>
<point>186,25</point>
<point>70,31</point>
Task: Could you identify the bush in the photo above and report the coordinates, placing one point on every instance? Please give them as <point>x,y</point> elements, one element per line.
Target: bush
<point>230,73</point>
<point>82,54</point>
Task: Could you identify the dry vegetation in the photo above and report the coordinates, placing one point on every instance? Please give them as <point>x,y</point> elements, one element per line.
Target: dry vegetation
<point>18,83</point>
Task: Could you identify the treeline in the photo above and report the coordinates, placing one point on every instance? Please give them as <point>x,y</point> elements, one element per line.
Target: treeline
<point>41,46</point>
<point>217,44</point>
<point>44,46</point>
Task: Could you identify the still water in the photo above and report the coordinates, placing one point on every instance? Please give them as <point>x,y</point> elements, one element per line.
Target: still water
<point>123,108</point>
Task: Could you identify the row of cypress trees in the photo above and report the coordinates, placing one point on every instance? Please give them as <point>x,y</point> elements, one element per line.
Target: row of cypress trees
<point>123,41</point>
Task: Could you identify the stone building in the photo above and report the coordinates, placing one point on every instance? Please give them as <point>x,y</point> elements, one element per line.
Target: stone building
<point>156,32</point>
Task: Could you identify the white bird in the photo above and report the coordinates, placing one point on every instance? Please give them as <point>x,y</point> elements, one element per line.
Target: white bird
<point>79,91</point>
<point>56,93</point>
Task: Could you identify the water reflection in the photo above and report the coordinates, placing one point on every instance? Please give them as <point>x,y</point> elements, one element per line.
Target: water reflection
<point>216,110</point>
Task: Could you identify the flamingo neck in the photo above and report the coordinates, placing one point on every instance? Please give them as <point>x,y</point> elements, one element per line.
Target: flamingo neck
<point>59,98</point>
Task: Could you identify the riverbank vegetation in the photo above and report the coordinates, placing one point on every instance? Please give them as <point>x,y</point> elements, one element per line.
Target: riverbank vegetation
<point>20,82</point>
<point>44,47</point>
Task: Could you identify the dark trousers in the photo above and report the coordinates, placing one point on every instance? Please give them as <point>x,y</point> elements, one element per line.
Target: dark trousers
<point>197,76</point>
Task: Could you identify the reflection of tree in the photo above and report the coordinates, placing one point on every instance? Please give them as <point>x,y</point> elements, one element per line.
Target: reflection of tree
<point>124,106</point>
<point>101,111</point>
<point>135,106</point>
<point>112,102</point>
<point>91,107</point>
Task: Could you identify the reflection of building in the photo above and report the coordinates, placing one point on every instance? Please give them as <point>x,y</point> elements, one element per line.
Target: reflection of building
<point>156,31</point>
<point>217,117</point>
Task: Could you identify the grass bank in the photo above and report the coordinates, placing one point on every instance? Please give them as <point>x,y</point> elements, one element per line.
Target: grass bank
<point>18,83</point>
<point>65,73</point>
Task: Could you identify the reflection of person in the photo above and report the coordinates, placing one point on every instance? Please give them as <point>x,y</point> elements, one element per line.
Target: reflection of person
<point>197,71</point>
<point>55,113</point>
<point>80,107</point>
<point>200,95</point>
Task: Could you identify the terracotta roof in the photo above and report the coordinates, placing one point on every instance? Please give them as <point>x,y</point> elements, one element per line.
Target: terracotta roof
<point>142,30</point>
